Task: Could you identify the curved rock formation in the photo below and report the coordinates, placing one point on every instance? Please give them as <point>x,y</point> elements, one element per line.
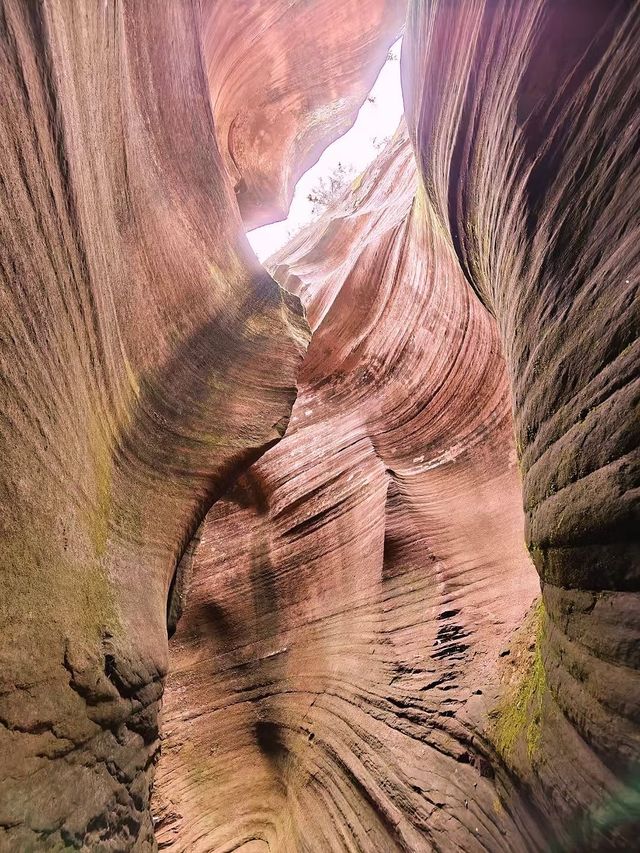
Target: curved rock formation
<point>145,358</point>
<point>286,79</point>
<point>525,120</point>
<point>360,633</point>
<point>353,593</point>
<point>364,661</point>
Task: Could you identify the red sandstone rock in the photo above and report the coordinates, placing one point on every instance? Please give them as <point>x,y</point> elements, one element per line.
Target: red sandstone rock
<point>354,633</point>
<point>524,117</point>
<point>286,79</point>
<point>145,358</point>
<point>340,677</point>
<point>356,587</point>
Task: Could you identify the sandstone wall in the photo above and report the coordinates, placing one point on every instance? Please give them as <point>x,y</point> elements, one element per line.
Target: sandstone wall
<point>353,593</point>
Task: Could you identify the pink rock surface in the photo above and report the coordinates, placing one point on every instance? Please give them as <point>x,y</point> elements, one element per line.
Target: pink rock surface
<point>286,79</point>
<point>524,118</point>
<point>364,661</point>
<point>145,358</point>
<point>353,592</point>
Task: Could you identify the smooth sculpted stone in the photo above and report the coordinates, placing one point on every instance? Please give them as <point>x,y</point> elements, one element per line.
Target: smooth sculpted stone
<point>145,359</point>
<point>364,660</point>
<point>352,594</point>
<point>525,118</point>
<point>286,79</point>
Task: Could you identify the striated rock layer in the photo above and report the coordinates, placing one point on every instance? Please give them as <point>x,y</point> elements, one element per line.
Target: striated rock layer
<point>352,594</point>
<point>286,79</point>
<point>525,117</point>
<point>361,664</point>
<point>145,358</point>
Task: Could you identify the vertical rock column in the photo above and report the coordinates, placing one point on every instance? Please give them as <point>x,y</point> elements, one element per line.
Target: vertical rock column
<point>524,117</point>
<point>145,359</point>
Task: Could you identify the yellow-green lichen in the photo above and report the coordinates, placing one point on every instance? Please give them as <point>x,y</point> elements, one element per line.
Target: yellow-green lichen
<point>53,592</point>
<point>519,715</point>
<point>537,555</point>
<point>100,511</point>
<point>420,201</point>
<point>131,377</point>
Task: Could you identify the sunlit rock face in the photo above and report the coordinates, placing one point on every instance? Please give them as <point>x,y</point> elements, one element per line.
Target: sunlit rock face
<point>286,79</point>
<point>145,358</point>
<point>524,117</point>
<point>364,661</point>
<point>353,593</point>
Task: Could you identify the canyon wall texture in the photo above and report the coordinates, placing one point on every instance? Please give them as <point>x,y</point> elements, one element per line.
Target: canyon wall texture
<point>365,655</point>
<point>364,663</point>
<point>524,117</point>
<point>145,358</point>
<point>353,593</point>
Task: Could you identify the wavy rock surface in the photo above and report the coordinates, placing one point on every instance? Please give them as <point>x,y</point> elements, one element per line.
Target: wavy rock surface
<point>145,358</point>
<point>286,79</point>
<point>353,593</point>
<point>361,664</point>
<point>525,120</point>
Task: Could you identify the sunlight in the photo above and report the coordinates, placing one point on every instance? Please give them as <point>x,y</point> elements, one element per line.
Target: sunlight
<point>376,122</point>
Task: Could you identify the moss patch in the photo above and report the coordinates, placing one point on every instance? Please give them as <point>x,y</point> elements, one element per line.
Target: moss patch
<point>519,715</point>
<point>99,516</point>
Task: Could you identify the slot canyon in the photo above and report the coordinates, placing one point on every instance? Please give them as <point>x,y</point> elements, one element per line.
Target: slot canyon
<point>338,551</point>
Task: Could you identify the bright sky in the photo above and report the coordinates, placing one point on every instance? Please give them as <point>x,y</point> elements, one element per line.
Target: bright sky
<point>376,121</point>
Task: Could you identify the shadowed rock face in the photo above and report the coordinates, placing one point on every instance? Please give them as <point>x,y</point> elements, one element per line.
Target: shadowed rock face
<point>145,358</point>
<point>353,593</point>
<point>362,663</point>
<point>524,117</point>
<point>286,79</point>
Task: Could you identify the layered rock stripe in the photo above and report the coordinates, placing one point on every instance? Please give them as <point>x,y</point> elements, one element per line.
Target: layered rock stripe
<point>364,660</point>
<point>345,621</point>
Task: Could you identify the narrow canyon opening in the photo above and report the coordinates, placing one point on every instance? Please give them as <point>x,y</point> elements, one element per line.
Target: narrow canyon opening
<point>318,392</point>
<point>358,596</point>
<point>342,161</point>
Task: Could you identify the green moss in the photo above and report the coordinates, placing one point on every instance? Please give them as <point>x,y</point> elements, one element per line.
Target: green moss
<point>537,555</point>
<point>99,517</point>
<point>131,377</point>
<point>52,592</point>
<point>92,607</point>
<point>520,714</point>
<point>519,448</point>
<point>57,587</point>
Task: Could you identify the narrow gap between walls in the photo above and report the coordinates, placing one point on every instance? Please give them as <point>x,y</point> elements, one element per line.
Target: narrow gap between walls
<point>342,161</point>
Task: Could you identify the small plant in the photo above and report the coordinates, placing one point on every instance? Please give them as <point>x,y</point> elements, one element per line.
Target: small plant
<point>329,189</point>
<point>380,143</point>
